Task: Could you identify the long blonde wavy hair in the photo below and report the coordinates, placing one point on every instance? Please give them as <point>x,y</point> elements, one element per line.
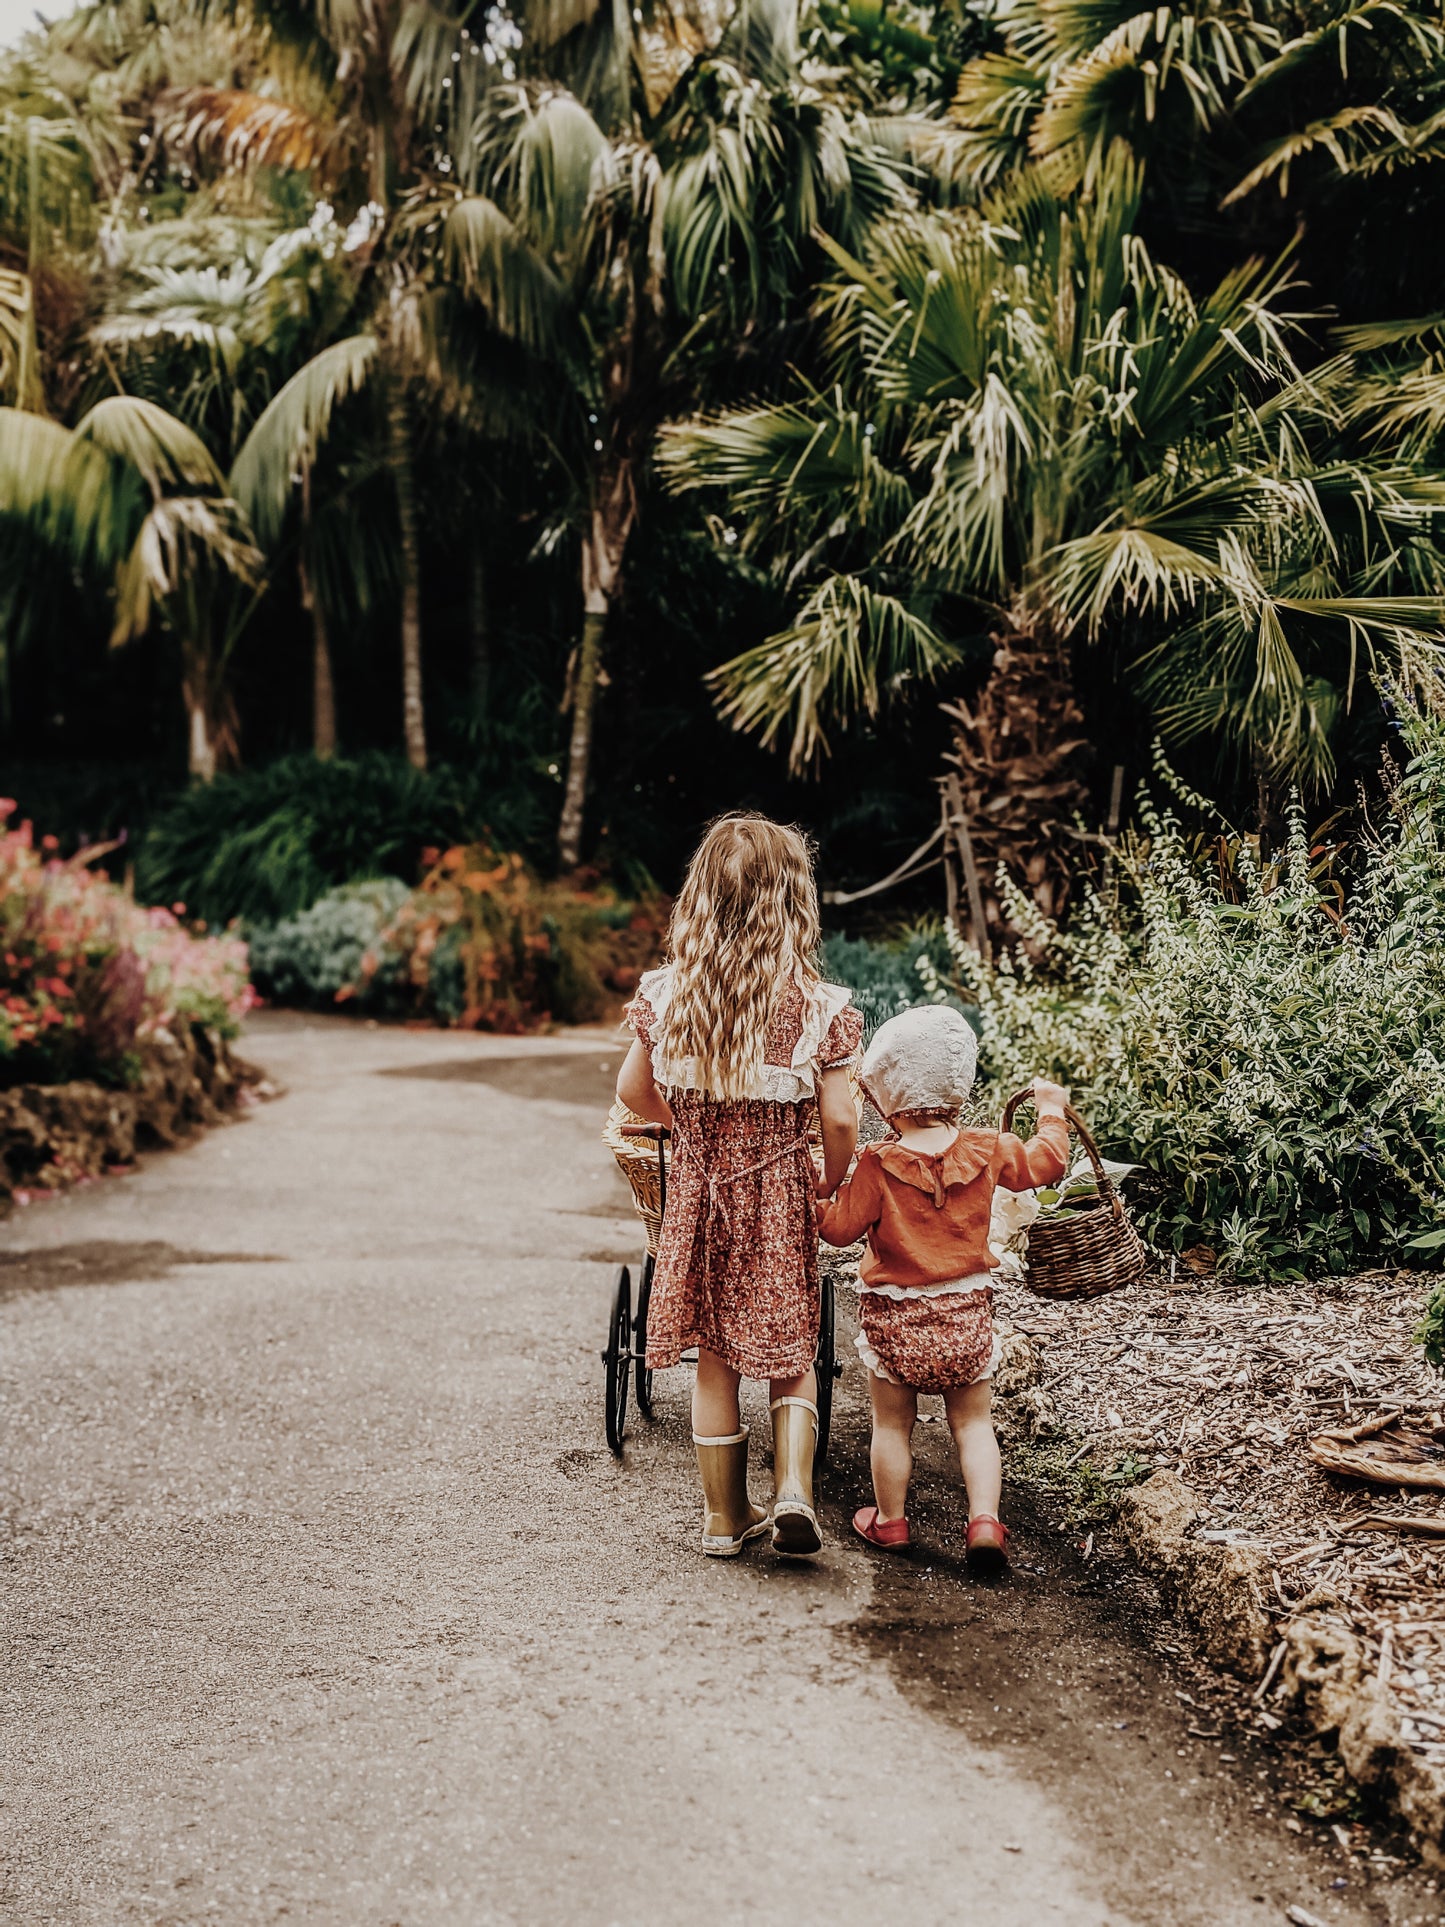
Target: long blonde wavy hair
<point>744,926</point>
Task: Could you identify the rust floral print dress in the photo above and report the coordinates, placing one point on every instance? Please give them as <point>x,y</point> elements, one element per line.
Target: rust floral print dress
<point>737,1263</point>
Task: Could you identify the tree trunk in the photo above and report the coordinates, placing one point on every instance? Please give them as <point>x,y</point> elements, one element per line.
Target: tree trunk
<point>613,513</point>
<point>1017,752</point>
<point>323,683</point>
<point>201,749</point>
<point>404,476</point>
<point>481,634</point>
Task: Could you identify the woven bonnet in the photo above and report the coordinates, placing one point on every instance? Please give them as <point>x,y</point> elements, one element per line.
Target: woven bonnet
<point>921,1060</point>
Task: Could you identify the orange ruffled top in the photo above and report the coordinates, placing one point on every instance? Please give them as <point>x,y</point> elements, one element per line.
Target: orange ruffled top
<point>927,1218</point>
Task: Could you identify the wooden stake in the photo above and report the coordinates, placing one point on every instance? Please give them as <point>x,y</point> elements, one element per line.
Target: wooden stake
<point>1116,799</point>
<point>958,823</point>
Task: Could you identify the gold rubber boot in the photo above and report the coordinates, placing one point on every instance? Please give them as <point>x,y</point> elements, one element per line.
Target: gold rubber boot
<point>729,1517</point>
<point>795,1438</point>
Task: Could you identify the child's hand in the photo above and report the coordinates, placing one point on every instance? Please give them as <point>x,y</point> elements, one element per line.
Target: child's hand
<point>1049,1098</point>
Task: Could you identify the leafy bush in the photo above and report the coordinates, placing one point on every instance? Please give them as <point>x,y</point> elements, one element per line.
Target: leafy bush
<point>317,956</point>
<point>884,977</point>
<point>1273,1057</point>
<point>86,975</point>
<point>265,844</point>
<point>480,943</point>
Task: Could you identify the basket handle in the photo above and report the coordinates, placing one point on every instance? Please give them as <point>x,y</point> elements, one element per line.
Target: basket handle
<point>1101,1176</point>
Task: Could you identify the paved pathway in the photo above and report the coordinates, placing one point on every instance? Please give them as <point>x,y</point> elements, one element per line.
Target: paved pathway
<point>325,1603</point>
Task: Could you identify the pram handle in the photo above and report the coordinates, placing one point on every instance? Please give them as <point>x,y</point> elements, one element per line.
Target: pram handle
<point>657,1132</point>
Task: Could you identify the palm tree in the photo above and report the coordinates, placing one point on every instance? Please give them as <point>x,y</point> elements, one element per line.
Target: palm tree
<point>641,230</point>
<point>386,72</point>
<point>131,499</point>
<point>1034,417</point>
<point>217,343</point>
<point>637,186</point>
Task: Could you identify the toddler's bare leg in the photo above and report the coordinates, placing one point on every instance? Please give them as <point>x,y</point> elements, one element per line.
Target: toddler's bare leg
<point>968,1419</point>
<point>895,1411</point>
<point>715,1412</point>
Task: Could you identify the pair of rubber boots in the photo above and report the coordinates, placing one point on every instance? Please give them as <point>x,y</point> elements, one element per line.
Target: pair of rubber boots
<point>730,1518</point>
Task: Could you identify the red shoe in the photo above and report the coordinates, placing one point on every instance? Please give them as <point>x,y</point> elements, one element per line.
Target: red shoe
<point>891,1534</point>
<point>987,1544</point>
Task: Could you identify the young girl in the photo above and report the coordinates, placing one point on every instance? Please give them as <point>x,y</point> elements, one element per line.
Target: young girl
<point>923,1197</point>
<point>737,1041</point>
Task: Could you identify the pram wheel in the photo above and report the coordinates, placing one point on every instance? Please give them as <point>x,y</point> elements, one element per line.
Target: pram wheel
<point>617,1359</point>
<point>825,1366</point>
<point>642,1383</point>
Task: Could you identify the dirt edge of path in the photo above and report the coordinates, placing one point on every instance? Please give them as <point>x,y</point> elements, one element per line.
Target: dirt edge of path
<point>1310,1664</point>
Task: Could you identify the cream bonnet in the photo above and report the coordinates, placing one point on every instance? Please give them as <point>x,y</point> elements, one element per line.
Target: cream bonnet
<point>921,1060</point>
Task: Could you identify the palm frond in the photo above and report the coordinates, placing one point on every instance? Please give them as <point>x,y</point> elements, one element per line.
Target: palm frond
<point>163,451</point>
<point>239,131</point>
<point>181,536</point>
<point>19,352</point>
<point>850,644</point>
<point>521,292</point>
<point>291,429</point>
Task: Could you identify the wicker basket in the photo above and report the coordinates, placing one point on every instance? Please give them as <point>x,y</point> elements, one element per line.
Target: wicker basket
<point>637,1158</point>
<point>1088,1248</point>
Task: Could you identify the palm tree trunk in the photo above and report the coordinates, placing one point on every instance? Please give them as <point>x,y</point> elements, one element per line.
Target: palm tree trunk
<point>481,633</point>
<point>201,748</point>
<point>323,683</point>
<point>1017,752</point>
<point>613,513</point>
<point>404,476</point>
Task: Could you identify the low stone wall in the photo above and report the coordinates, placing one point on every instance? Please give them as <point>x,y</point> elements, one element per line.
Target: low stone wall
<point>53,1135</point>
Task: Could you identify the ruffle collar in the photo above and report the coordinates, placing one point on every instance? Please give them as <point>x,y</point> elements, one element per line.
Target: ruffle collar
<point>961,1163</point>
<point>788,1083</point>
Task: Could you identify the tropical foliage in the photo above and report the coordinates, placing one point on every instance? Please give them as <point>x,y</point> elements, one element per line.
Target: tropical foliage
<point>1064,366</point>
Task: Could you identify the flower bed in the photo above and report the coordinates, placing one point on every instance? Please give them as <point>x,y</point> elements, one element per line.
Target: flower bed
<point>87,976</point>
<point>115,1021</point>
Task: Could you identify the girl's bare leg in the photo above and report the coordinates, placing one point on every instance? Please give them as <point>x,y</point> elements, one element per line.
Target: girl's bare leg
<point>895,1412</point>
<point>804,1387</point>
<point>972,1427</point>
<point>715,1413</point>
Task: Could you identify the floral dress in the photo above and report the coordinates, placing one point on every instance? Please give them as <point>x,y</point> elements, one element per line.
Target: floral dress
<point>737,1262</point>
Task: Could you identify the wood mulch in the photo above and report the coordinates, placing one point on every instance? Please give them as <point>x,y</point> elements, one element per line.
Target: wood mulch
<point>1226,1385</point>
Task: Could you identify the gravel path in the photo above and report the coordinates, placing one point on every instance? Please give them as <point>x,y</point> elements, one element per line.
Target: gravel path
<point>323,1600</point>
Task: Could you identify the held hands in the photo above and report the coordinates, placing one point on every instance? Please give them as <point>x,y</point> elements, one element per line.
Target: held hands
<point>1049,1098</point>
<point>823,1188</point>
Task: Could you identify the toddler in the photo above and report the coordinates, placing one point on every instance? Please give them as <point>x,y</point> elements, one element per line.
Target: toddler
<point>923,1197</point>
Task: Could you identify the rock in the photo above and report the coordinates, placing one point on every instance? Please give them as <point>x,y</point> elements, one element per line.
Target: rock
<point>1326,1675</point>
<point>1219,1589</point>
<point>1022,1409</point>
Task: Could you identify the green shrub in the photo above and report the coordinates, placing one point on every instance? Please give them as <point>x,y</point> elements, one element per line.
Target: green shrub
<point>1274,1058</point>
<point>265,844</point>
<point>884,977</point>
<point>317,956</point>
<point>481,942</point>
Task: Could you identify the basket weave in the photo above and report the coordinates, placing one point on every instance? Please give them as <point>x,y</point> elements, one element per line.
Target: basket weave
<point>637,1160</point>
<point>1087,1248</point>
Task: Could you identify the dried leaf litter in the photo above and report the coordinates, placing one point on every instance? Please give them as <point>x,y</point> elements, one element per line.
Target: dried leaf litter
<point>1228,1386</point>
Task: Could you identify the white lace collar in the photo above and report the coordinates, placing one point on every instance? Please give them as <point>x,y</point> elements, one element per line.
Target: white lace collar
<point>785,1084</point>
